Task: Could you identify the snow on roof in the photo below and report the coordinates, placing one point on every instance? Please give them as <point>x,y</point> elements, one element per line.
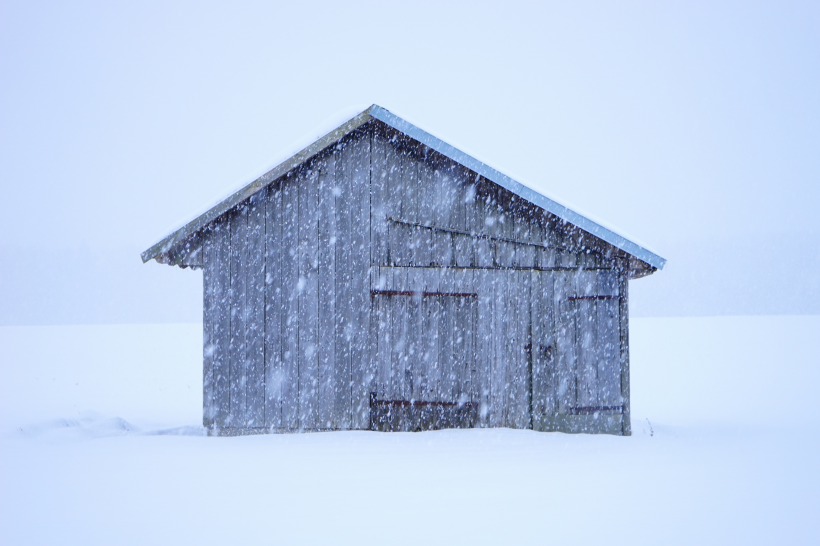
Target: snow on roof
<point>293,158</point>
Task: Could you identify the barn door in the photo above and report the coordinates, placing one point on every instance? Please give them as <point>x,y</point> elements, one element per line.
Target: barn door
<point>425,356</point>
<point>576,350</point>
<point>594,308</point>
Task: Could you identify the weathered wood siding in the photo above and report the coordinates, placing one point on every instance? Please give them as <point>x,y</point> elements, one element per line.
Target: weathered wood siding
<point>381,285</point>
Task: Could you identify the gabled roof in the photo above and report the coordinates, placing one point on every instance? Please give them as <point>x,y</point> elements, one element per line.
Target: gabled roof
<point>379,113</point>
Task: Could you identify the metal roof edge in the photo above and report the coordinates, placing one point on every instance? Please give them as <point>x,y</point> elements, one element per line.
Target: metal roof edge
<point>516,187</point>
<point>266,179</point>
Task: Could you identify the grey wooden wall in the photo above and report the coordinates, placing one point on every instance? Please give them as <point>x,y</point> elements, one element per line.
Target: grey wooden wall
<point>381,278</point>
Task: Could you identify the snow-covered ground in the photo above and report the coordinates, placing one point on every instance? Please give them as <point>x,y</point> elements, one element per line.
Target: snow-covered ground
<point>100,444</point>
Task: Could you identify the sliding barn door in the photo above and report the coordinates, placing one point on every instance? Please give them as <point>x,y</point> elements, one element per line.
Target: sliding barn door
<point>576,351</point>
<point>425,353</point>
<point>594,308</point>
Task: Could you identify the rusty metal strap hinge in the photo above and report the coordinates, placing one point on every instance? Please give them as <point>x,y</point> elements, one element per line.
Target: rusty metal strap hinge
<point>412,293</point>
<point>591,410</point>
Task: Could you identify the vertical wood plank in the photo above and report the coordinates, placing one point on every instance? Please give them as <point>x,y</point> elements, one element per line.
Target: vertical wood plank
<point>409,208</point>
<point>514,222</point>
<point>466,255</point>
<point>569,259</point>
<point>529,233</point>
<point>565,341</point>
<point>523,376</point>
<point>608,335</point>
<point>441,248</point>
<point>460,380</point>
<point>222,323</point>
<point>484,347</point>
<point>458,188</point>
<point>327,291</point>
<point>537,338</point>
<point>238,351</point>
<point>392,201</point>
<point>415,350</point>
<point>522,333</point>
<point>344,272</point>
<point>427,191</point>
<point>354,213</point>
<point>398,336</point>
<point>445,211</point>
<point>550,351</point>
<point>410,188</point>
<point>442,241</point>
<point>499,365</point>
<point>484,254</point>
<point>209,319</point>
<point>422,237</point>
<point>472,392</point>
<point>290,288</point>
<point>275,311</point>
<point>545,258</point>
<point>373,335</point>
<point>586,330</point>
<point>463,246</point>
<point>623,310</point>
<point>512,346</point>
<point>397,237</point>
<point>362,369</point>
<point>378,194</point>
<point>385,341</point>
<point>446,333</point>
<point>431,332</point>
<point>255,311</point>
<point>464,358</point>
<point>307,287</point>
<point>509,346</point>
<point>516,399</point>
<point>543,347</point>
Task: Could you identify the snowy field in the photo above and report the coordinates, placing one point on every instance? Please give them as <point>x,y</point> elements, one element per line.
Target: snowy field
<point>100,444</point>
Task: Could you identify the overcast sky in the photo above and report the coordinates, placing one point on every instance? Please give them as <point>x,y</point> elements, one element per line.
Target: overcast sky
<point>693,127</point>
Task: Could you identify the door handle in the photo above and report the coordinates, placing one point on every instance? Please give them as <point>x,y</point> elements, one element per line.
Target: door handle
<point>546,352</point>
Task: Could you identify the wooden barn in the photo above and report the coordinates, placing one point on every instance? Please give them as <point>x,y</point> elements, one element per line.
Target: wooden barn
<point>382,279</point>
